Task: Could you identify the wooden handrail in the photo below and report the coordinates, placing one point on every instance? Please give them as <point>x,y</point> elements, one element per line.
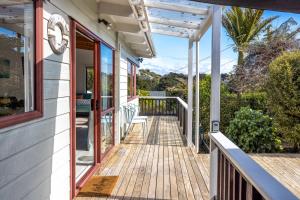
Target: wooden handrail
<point>235,175</point>
<point>175,106</point>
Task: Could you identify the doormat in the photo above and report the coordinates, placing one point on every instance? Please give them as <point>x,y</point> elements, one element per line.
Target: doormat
<point>98,186</point>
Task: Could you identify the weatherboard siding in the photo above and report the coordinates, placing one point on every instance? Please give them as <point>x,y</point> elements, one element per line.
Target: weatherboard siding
<point>35,156</point>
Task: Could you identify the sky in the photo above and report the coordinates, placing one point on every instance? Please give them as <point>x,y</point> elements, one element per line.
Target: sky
<point>172,52</point>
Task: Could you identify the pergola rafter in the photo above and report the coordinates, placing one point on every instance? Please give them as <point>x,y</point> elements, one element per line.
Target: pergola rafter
<point>177,23</point>
<point>181,19</point>
<point>176,7</point>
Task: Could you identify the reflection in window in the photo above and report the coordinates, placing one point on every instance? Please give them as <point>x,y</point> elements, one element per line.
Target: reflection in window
<point>131,79</point>
<point>89,80</point>
<point>17,58</point>
<point>106,77</point>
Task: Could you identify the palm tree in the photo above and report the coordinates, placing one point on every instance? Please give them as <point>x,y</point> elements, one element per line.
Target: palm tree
<point>244,25</point>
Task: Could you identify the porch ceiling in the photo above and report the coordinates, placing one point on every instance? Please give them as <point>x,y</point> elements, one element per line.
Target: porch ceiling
<point>124,20</point>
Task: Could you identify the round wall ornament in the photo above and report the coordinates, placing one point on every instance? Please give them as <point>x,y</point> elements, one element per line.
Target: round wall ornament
<point>58,33</point>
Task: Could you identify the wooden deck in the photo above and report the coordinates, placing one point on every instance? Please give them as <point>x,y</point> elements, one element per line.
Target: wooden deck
<point>162,167</point>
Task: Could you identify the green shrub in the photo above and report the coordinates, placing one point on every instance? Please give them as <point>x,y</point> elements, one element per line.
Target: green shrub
<point>255,100</point>
<point>252,131</point>
<point>283,91</point>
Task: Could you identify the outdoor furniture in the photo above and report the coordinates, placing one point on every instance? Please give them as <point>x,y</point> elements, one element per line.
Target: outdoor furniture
<point>131,119</point>
<point>136,115</point>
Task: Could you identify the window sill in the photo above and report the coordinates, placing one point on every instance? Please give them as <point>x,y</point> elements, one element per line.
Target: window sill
<point>18,119</point>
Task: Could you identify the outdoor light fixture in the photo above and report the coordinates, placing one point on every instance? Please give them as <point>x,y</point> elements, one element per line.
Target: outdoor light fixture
<point>140,60</point>
<point>106,23</point>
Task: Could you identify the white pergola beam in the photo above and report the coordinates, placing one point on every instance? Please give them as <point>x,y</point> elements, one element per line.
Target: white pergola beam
<point>114,9</point>
<point>170,33</point>
<point>205,24</point>
<point>176,7</point>
<point>180,24</point>
<point>215,97</point>
<point>190,94</point>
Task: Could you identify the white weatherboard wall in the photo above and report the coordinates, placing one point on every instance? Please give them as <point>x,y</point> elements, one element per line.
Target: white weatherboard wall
<point>34,156</point>
<point>123,87</point>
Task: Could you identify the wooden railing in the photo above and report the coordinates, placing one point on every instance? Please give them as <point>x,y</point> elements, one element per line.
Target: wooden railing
<point>158,106</point>
<point>234,175</point>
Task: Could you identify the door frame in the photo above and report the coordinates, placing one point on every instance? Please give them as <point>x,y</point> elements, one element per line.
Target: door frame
<point>74,27</point>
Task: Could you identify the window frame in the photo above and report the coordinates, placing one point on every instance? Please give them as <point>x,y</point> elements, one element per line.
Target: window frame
<point>11,120</point>
<point>132,89</point>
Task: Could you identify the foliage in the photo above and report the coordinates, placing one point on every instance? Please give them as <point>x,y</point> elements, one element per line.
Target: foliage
<point>230,103</point>
<point>252,131</point>
<point>252,75</point>
<point>244,25</point>
<point>172,81</point>
<point>143,93</point>
<point>283,91</point>
<point>283,32</point>
<point>147,80</point>
<point>177,92</point>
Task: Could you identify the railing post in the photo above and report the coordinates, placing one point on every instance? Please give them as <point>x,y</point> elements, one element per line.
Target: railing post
<point>213,182</point>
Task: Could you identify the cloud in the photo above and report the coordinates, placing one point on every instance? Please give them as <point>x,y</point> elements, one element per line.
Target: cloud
<point>164,65</point>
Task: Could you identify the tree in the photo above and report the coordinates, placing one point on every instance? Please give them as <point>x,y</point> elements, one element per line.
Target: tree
<point>252,75</point>
<point>283,91</point>
<point>243,25</point>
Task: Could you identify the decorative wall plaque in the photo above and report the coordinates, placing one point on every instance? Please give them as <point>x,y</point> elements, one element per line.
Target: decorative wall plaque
<point>58,33</point>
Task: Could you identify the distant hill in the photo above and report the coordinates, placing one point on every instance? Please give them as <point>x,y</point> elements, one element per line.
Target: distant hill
<point>175,84</point>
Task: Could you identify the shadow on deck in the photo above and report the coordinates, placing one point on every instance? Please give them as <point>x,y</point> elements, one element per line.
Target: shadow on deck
<point>161,166</point>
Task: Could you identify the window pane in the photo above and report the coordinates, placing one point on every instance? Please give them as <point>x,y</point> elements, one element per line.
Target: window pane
<point>106,131</point>
<point>106,77</point>
<point>17,57</point>
<point>129,81</point>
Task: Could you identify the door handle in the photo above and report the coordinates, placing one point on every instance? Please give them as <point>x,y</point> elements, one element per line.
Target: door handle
<point>97,104</point>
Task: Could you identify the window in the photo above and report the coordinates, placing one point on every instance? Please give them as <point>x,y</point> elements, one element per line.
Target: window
<point>107,98</point>
<point>107,86</point>
<point>20,61</point>
<point>131,80</point>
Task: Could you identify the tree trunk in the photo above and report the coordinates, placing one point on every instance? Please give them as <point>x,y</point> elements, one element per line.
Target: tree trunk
<point>240,58</point>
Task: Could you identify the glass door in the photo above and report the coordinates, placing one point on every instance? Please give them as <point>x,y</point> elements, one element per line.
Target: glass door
<point>107,99</point>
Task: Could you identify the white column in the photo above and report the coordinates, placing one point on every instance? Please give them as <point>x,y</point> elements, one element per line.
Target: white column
<point>197,98</point>
<point>190,93</point>
<point>215,95</point>
<point>118,110</point>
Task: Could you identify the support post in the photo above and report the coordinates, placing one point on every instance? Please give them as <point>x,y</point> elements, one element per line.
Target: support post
<point>190,94</point>
<point>215,97</point>
<point>197,136</point>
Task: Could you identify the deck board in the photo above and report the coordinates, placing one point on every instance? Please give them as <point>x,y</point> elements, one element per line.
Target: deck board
<point>160,166</point>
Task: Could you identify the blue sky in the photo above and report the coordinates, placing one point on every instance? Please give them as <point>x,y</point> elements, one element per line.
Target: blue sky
<point>172,52</point>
